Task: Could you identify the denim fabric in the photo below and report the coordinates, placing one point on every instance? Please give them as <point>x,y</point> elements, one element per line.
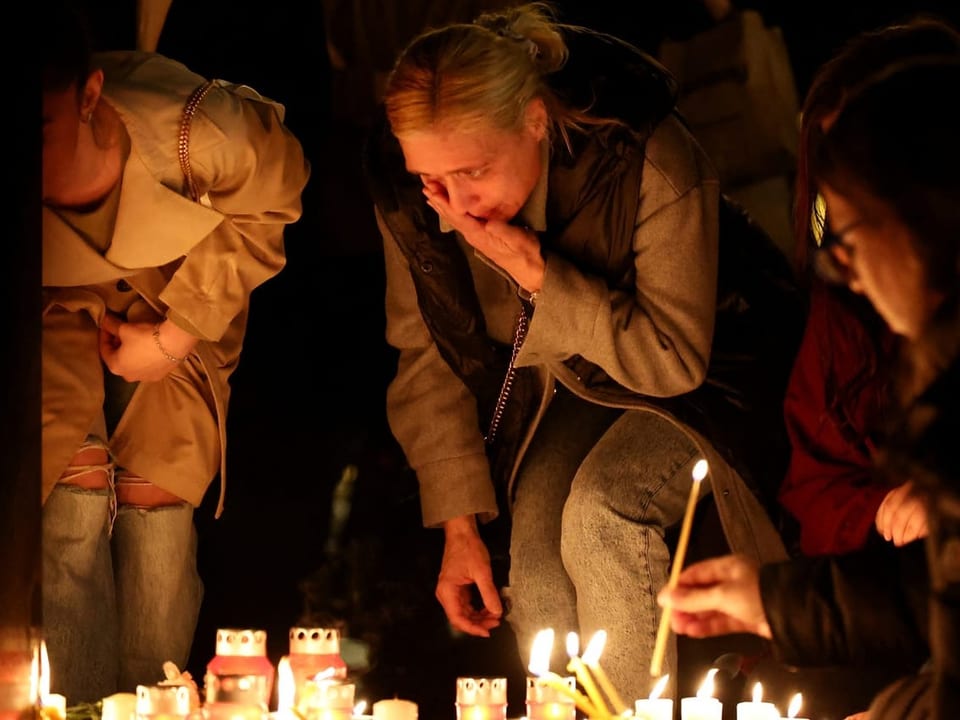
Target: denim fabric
<point>115,608</point>
<point>595,493</point>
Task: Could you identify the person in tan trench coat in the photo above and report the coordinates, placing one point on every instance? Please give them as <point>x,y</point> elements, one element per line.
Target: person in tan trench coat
<point>157,225</point>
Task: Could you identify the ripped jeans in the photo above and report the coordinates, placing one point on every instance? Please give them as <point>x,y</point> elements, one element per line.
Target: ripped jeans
<point>121,592</point>
<point>594,495</point>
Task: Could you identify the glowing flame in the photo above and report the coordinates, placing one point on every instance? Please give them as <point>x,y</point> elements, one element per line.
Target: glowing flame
<point>659,687</point>
<point>795,704</point>
<point>758,693</point>
<point>540,653</point>
<point>706,688</point>
<point>591,656</point>
<point>700,470</point>
<point>573,644</point>
<point>359,708</point>
<point>286,686</point>
<point>44,686</point>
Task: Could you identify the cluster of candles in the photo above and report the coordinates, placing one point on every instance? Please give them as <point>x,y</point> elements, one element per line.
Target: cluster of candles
<point>589,691</point>
<point>311,685</point>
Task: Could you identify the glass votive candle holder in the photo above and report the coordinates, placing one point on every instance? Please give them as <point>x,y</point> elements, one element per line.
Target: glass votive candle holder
<point>328,700</point>
<point>235,697</point>
<point>545,702</point>
<point>481,698</point>
<point>162,702</point>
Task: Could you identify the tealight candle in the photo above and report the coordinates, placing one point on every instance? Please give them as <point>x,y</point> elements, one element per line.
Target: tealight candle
<point>481,698</point>
<point>394,709</point>
<point>655,707</point>
<point>704,706</point>
<point>794,708</point>
<point>757,709</point>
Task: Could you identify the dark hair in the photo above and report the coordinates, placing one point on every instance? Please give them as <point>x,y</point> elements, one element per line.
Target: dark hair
<point>864,55</point>
<point>896,139</point>
<point>66,46</point>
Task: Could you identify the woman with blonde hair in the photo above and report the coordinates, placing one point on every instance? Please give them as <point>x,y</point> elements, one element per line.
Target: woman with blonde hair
<point>568,345</point>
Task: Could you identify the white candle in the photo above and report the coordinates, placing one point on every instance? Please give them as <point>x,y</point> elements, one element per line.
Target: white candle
<point>794,708</point>
<point>655,707</point>
<point>55,702</point>
<point>757,709</point>
<point>119,706</point>
<point>704,706</point>
<point>395,709</point>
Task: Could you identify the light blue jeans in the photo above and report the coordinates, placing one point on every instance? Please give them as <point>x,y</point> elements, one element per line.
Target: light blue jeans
<point>116,605</point>
<point>595,493</point>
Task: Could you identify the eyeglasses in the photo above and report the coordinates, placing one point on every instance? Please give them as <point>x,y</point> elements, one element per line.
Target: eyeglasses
<point>831,259</point>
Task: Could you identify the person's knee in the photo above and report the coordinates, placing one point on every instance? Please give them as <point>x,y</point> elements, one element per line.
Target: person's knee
<point>135,491</point>
<point>89,469</point>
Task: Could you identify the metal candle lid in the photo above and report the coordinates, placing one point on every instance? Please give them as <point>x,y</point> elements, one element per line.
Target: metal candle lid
<point>481,691</point>
<point>314,641</point>
<point>163,700</point>
<point>246,643</point>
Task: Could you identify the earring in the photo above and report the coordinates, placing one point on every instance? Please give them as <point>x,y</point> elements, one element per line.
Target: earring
<point>87,117</point>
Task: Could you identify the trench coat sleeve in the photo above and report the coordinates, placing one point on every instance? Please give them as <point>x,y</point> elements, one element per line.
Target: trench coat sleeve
<point>655,340</point>
<point>860,608</point>
<point>254,176</point>
<point>431,412</point>
<point>830,486</point>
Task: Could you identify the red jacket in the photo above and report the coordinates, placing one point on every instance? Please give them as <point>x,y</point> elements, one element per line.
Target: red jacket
<point>834,405</point>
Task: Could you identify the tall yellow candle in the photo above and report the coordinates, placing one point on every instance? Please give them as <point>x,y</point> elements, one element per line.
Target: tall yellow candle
<point>584,677</point>
<point>539,667</point>
<point>591,658</point>
<point>699,473</point>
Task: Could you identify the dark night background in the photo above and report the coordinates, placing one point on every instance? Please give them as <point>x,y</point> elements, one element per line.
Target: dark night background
<point>308,397</point>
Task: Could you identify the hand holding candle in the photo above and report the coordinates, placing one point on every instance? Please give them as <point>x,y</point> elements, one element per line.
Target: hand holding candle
<point>699,473</point>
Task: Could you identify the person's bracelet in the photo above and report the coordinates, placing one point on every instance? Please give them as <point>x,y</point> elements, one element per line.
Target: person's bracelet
<point>163,350</point>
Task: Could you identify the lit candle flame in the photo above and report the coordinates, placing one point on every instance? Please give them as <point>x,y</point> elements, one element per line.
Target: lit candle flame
<point>659,687</point>
<point>700,470</point>
<point>591,656</point>
<point>706,688</point>
<point>44,685</point>
<point>286,686</point>
<point>359,708</point>
<point>758,693</point>
<point>573,644</point>
<point>540,653</point>
<point>795,704</point>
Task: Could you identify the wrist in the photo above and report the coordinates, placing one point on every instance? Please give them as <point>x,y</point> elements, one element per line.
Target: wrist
<point>170,350</point>
<point>465,525</point>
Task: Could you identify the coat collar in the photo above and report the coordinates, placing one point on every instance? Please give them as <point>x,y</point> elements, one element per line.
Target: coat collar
<point>154,225</point>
